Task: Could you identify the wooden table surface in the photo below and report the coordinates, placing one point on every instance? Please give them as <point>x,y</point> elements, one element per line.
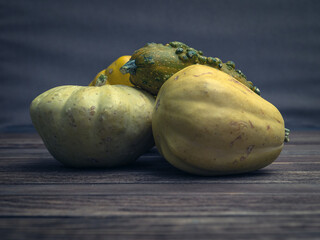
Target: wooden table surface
<point>41,199</point>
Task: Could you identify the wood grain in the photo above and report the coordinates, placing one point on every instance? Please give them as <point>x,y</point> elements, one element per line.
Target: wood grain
<point>150,199</point>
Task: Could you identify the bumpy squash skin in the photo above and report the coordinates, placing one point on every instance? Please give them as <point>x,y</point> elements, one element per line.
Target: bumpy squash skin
<point>153,64</point>
<point>103,126</point>
<point>112,74</point>
<point>207,123</point>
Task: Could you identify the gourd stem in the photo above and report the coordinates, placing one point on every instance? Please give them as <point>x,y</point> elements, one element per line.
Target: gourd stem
<point>129,67</point>
<point>286,133</point>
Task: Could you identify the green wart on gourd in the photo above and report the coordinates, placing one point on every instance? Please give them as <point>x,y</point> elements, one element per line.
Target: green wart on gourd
<point>153,64</point>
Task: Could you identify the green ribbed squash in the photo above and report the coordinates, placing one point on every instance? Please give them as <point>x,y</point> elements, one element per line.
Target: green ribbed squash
<point>103,126</point>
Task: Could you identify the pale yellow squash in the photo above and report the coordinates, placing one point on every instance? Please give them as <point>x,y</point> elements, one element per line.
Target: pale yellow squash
<point>205,122</point>
<point>112,75</point>
<point>103,126</point>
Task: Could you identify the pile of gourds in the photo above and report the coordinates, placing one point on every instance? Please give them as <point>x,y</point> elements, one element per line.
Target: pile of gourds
<point>203,115</point>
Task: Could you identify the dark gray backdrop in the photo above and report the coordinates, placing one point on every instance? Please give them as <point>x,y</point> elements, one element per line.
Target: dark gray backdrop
<point>44,44</point>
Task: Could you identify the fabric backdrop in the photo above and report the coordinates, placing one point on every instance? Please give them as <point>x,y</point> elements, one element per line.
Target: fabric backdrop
<point>44,44</point>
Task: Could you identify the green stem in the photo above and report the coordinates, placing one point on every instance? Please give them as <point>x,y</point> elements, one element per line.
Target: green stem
<point>129,67</point>
<point>286,134</point>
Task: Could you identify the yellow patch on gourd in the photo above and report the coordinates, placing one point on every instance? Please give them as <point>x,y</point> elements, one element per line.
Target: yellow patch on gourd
<point>112,75</point>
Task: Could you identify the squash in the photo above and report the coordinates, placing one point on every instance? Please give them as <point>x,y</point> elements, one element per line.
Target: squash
<point>153,64</point>
<point>206,122</point>
<point>103,126</point>
<point>112,74</point>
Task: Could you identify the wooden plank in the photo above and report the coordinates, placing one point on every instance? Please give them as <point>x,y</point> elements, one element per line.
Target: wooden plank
<point>152,168</point>
<point>159,200</point>
<point>172,176</point>
<point>61,175</point>
<point>156,189</point>
<point>177,228</point>
<point>161,205</point>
